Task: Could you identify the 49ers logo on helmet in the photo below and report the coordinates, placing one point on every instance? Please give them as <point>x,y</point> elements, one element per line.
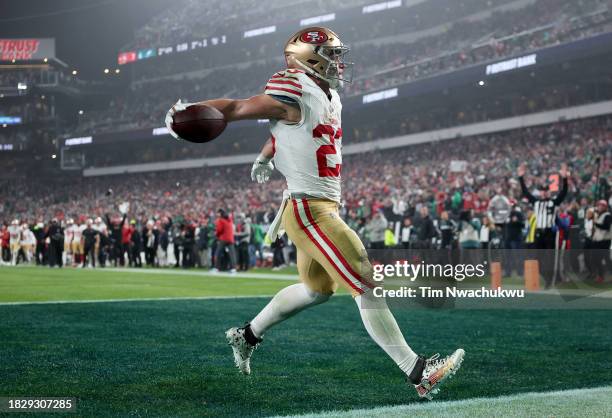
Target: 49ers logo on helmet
<point>314,37</point>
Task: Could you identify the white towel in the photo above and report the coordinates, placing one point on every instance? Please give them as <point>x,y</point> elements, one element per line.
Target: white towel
<point>275,227</point>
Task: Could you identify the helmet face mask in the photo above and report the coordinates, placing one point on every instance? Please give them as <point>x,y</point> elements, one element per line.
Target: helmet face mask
<point>339,70</point>
<point>321,53</point>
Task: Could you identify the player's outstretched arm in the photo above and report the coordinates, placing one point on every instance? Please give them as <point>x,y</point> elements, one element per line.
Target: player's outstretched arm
<point>257,107</point>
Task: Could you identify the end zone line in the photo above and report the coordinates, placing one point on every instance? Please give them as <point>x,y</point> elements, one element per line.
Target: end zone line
<point>53,302</point>
<point>238,275</point>
<point>551,403</point>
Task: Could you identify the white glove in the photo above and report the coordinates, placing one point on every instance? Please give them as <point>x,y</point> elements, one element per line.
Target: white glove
<point>178,106</point>
<point>124,208</point>
<point>262,169</point>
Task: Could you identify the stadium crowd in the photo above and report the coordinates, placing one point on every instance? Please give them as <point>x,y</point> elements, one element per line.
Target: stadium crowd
<point>216,216</point>
<point>463,43</point>
<point>184,21</point>
<point>404,118</point>
<point>504,34</point>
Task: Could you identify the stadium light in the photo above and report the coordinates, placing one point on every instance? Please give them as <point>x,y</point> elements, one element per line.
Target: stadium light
<point>106,71</point>
<point>481,83</point>
<point>74,72</point>
<point>54,156</point>
<point>81,112</point>
<point>117,71</point>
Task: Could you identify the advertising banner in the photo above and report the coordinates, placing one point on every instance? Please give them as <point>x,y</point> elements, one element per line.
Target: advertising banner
<point>26,49</point>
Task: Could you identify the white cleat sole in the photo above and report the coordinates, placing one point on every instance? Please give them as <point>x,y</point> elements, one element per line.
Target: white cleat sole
<point>242,365</point>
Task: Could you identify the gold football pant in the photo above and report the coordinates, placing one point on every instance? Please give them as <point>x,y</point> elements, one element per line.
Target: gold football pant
<point>76,247</point>
<point>329,253</point>
<point>15,247</point>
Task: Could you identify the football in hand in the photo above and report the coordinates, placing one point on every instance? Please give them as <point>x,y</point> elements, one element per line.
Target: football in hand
<point>198,123</point>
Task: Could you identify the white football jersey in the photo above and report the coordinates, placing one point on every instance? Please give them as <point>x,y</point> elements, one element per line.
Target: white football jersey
<point>69,234</point>
<point>15,233</point>
<point>28,238</point>
<point>77,231</point>
<point>308,153</point>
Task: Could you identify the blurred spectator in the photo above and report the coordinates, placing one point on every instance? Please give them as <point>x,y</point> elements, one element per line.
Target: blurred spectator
<point>602,238</point>
<point>243,238</point>
<point>224,231</point>
<point>375,230</point>
<point>426,231</point>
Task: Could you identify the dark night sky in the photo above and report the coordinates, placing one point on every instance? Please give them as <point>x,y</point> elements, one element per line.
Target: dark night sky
<point>87,38</point>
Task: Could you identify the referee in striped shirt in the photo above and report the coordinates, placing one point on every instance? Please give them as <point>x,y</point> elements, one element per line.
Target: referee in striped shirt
<point>545,208</point>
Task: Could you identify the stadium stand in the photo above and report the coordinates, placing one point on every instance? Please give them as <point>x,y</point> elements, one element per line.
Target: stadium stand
<point>432,68</point>
<point>415,174</point>
<point>471,40</point>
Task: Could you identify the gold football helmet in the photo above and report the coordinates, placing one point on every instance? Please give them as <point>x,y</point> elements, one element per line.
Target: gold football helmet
<point>320,52</point>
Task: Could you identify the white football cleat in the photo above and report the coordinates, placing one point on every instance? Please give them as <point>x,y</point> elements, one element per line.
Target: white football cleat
<point>241,348</point>
<point>436,371</point>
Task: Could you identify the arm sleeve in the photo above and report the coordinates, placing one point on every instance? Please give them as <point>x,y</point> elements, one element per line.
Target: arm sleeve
<point>287,100</point>
<point>285,86</point>
<point>561,196</point>
<point>525,191</point>
<point>218,228</point>
<point>433,232</point>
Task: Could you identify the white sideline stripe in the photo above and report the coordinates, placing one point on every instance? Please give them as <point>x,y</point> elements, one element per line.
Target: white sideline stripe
<point>601,293</point>
<point>179,298</point>
<point>238,275</point>
<point>498,406</point>
<point>174,272</point>
<point>61,302</point>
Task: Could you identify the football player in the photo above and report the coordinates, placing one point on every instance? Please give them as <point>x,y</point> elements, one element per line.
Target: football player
<point>15,240</point>
<point>28,241</point>
<point>68,240</point>
<point>77,243</point>
<point>304,109</point>
<point>101,228</point>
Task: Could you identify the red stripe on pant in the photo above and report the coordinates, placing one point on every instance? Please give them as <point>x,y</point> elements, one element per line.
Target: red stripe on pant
<point>332,246</point>
<point>314,241</point>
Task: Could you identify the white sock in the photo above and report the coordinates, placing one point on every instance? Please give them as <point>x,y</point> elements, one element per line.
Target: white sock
<point>284,305</point>
<point>382,327</point>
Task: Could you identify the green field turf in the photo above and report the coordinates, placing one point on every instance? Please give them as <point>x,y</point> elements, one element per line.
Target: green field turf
<point>43,284</point>
<point>169,357</point>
